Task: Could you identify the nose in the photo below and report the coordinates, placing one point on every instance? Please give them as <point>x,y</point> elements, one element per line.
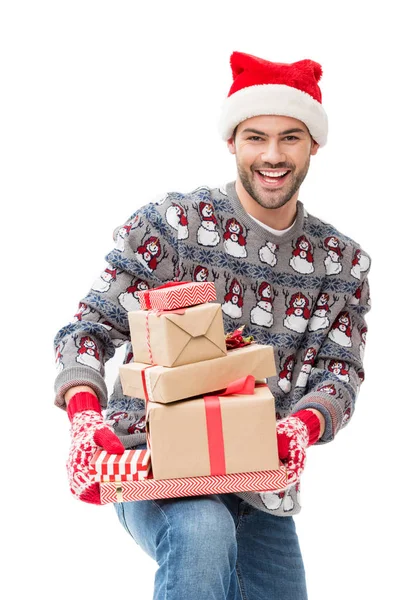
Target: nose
<point>272,153</point>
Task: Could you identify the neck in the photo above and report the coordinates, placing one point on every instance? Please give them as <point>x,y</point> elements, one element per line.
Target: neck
<point>277,218</point>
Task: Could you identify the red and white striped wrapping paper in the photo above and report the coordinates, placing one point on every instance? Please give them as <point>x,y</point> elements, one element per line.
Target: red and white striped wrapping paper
<point>147,489</point>
<point>132,465</point>
<point>184,294</point>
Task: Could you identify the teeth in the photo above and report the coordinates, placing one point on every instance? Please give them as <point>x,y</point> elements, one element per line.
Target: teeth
<point>273,173</point>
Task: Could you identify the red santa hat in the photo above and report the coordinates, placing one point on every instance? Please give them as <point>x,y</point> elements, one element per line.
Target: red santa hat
<point>261,87</point>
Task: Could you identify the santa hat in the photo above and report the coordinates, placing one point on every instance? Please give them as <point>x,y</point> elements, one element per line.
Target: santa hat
<point>261,87</point>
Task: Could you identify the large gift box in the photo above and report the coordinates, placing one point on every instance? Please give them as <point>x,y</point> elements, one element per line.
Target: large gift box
<point>166,384</point>
<point>177,295</point>
<point>172,338</point>
<point>233,431</point>
<point>147,489</point>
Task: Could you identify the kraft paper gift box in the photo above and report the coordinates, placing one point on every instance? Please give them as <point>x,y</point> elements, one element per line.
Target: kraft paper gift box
<point>170,339</point>
<point>213,435</point>
<point>132,465</point>
<point>166,384</point>
<point>177,295</point>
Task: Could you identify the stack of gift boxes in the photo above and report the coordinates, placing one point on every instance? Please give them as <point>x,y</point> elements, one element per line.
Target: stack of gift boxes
<point>208,409</point>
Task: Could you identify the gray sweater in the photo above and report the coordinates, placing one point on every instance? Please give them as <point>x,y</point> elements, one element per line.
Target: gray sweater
<point>305,293</point>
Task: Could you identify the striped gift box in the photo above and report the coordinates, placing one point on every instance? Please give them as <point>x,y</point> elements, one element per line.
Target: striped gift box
<point>177,295</point>
<point>132,465</point>
<point>147,489</point>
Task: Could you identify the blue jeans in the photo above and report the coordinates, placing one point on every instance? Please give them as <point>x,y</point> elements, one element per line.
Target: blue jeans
<point>217,547</point>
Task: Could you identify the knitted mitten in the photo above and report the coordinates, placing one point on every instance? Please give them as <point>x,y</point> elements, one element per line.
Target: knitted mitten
<point>295,434</point>
<point>88,431</point>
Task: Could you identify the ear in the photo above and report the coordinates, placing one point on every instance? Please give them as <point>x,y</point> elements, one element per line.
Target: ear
<point>314,148</point>
<point>231,145</point>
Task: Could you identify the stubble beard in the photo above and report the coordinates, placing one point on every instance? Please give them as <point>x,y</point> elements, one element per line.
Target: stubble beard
<point>273,198</point>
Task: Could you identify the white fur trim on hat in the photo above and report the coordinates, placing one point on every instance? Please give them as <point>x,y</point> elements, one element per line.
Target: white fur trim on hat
<point>274,99</point>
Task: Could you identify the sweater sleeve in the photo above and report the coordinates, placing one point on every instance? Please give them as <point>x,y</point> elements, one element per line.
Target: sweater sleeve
<point>338,371</point>
<point>145,255</point>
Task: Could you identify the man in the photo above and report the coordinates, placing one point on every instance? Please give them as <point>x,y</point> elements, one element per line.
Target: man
<point>293,280</point>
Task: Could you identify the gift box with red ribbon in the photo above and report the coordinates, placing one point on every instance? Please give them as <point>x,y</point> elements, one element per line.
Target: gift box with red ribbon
<point>230,431</point>
<point>156,383</point>
<point>178,337</point>
<point>177,294</point>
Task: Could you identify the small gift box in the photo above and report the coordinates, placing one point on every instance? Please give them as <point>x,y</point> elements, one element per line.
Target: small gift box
<point>132,465</point>
<point>170,339</point>
<point>148,489</point>
<point>166,384</point>
<point>177,294</point>
<point>233,431</point>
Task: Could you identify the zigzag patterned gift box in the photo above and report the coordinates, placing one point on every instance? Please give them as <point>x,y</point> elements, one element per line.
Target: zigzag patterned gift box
<point>146,489</point>
<point>132,465</point>
<point>180,294</point>
<point>119,485</point>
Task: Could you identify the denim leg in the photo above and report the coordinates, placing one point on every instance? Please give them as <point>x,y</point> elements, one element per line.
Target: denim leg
<point>193,541</point>
<point>269,562</point>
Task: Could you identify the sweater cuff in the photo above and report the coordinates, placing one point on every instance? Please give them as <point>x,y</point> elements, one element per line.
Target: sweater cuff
<point>73,376</point>
<point>331,409</point>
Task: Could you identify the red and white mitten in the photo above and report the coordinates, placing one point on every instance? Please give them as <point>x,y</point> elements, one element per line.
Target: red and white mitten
<point>295,433</point>
<point>88,431</point>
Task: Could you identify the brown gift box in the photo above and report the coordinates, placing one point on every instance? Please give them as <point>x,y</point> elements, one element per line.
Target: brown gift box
<point>179,442</point>
<point>166,384</point>
<point>178,339</point>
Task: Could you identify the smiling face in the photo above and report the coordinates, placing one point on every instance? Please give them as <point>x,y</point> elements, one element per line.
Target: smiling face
<point>299,302</point>
<point>272,157</point>
<point>234,227</point>
<point>304,245</point>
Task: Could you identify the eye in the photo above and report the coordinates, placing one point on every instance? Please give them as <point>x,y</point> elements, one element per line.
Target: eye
<point>291,138</point>
<point>254,138</point>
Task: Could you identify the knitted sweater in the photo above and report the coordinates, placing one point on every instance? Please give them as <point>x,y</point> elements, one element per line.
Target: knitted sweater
<point>304,292</point>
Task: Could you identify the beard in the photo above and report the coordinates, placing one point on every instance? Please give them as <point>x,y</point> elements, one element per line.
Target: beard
<point>273,198</point>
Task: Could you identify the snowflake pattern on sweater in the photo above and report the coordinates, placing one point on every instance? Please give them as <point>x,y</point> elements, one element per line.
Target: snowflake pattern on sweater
<point>305,292</point>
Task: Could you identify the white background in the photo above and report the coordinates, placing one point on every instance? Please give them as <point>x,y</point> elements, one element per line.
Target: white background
<point>105,105</point>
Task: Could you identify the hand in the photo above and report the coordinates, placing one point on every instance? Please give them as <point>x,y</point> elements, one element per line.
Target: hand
<point>295,434</point>
<point>88,431</point>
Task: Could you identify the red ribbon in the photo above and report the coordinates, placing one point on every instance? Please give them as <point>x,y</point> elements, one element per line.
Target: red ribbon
<point>215,435</point>
<point>144,384</point>
<point>146,293</point>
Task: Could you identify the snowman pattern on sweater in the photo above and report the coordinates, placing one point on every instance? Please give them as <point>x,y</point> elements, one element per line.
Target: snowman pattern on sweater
<point>268,253</point>
<point>123,232</point>
<point>306,367</point>
<point>233,299</point>
<point>297,312</point>
<point>235,239</point>
<point>341,331</point>
<point>177,219</point>
<point>334,255</point>
<point>107,277</point>
<point>129,299</point>
<point>88,352</point>
<point>207,233</point>
<point>302,259</point>
<point>262,313</point>
<point>320,319</point>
